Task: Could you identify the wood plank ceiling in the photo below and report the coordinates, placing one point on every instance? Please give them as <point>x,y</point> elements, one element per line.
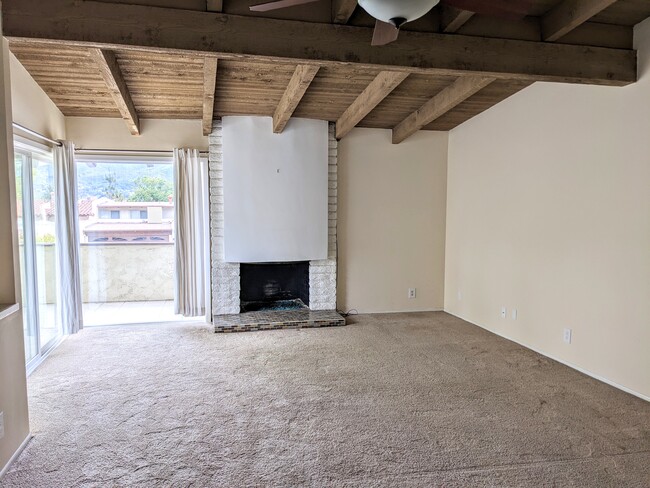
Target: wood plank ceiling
<point>172,85</point>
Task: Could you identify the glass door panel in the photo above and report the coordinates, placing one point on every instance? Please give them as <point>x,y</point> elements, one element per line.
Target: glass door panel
<point>26,253</point>
<point>45,248</point>
<point>36,214</point>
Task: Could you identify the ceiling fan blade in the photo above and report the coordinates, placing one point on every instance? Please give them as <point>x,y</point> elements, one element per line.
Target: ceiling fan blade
<point>265,7</point>
<point>384,33</point>
<point>505,9</point>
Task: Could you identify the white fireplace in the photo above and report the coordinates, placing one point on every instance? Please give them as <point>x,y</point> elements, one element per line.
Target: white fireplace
<point>260,241</point>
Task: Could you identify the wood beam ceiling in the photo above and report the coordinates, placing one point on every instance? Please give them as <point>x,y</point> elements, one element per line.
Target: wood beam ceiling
<point>209,87</point>
<point>375,92</point>
<point>568,15</point>
<point>453,18</point>
<point>342,10</point>
<point>171,86</point>
<point>110,71</point>
<point>214,5</point>
<point>300,81</point>
<point>443,102</point>
<point>227,37</point>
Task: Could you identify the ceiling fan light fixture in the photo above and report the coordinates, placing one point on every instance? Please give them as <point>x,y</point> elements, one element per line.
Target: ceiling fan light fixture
<point>397,12</point>
<point>398,21</point>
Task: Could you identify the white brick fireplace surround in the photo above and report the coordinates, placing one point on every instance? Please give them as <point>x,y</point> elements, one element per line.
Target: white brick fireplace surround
<point>225,276</point>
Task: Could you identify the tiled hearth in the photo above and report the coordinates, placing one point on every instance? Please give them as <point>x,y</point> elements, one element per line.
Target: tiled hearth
<point>291,319</point>
<point>226,276</point>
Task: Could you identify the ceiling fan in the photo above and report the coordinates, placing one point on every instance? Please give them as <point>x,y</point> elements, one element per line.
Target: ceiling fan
<point>390,15</point>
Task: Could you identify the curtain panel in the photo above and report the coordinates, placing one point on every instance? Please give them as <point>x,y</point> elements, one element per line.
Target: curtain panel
<point>69,301</point>
<point>191,235</point>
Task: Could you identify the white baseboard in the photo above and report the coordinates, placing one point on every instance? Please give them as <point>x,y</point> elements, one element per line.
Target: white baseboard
<point>16,454</point>
<point>375,312</point>
<point>562,361</point>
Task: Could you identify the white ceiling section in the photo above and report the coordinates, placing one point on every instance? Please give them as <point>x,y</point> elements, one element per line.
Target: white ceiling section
<point>275,190</point>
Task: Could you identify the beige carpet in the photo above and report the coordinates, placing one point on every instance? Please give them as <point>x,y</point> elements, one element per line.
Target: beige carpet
<point>393,400</point>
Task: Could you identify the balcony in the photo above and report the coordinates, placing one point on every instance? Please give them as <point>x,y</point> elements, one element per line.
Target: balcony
<point>121,283</point>
<point>129,312</point>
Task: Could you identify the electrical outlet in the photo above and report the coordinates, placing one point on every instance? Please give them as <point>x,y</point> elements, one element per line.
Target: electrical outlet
<point>411,292</point>
<point>514,314</point>
<point>2,425</point>
<point>567,336</point>
<point>504,312</point>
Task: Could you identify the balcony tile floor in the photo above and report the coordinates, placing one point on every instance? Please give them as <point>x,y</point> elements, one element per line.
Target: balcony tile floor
<point>117,313</point>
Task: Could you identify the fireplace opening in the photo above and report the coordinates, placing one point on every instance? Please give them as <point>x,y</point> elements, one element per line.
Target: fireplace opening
<point>274,286</point>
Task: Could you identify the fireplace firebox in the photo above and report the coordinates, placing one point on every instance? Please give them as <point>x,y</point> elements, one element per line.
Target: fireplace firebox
<point>274,286</point>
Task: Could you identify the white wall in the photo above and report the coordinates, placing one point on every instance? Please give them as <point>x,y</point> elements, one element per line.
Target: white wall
<point>391,227</point>
<point>13,388</point>
<point>549,212</point>
<point>109,133</point>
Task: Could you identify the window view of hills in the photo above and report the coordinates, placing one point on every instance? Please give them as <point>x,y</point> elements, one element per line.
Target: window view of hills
<point>134,182</point>
<point>117,202</point>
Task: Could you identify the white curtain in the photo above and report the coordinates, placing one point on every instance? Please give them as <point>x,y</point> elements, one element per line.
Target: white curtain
<point>191,231</point>
<point>68,305</point>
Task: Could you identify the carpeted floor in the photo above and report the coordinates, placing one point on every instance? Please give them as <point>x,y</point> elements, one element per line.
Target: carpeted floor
<point>391,400</point>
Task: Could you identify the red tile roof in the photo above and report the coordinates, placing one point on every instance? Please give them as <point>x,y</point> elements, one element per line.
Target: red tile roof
<point>48,207</point>
<point>85,207</point>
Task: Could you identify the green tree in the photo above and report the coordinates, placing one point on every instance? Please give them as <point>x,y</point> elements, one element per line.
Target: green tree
<point>42,181</point>
<point>110,189</point>
<point>151,189</point>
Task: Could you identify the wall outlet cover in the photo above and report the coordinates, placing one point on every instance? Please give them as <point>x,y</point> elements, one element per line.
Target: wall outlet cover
<point>504,312</point>
<point>567,336</point>
<point>412,292</point>
<point>514,314</point>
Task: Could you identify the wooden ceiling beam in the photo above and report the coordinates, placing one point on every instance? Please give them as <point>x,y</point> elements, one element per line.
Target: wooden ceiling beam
<point>453,18</point>
<point>214,5</point>
<point>121,25</point>
<point>342,10</point>
<point>209,87</point>
<point>112,75</point>
<point>300,81</point>
<point>568,15</point>
<point>375,92</point>
<point>459,91</point>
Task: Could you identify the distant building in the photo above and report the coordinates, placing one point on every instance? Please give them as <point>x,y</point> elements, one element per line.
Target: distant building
<point>123,222</point>
<point>142,211</point>
<point>45,209</point>
<point>129,232</point>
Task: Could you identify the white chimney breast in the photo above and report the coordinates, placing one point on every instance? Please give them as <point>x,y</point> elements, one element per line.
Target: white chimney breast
<point>275,189</point>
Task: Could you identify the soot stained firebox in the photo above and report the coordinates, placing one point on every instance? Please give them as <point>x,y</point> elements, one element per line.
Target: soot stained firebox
<point>274,286</point>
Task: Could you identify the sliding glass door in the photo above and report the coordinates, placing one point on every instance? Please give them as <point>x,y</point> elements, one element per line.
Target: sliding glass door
<point>36,214</point>
<point>126,222</point>
<point>27,263</point>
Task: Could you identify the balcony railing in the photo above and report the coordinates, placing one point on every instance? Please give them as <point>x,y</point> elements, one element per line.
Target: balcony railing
<point>123,272</point>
